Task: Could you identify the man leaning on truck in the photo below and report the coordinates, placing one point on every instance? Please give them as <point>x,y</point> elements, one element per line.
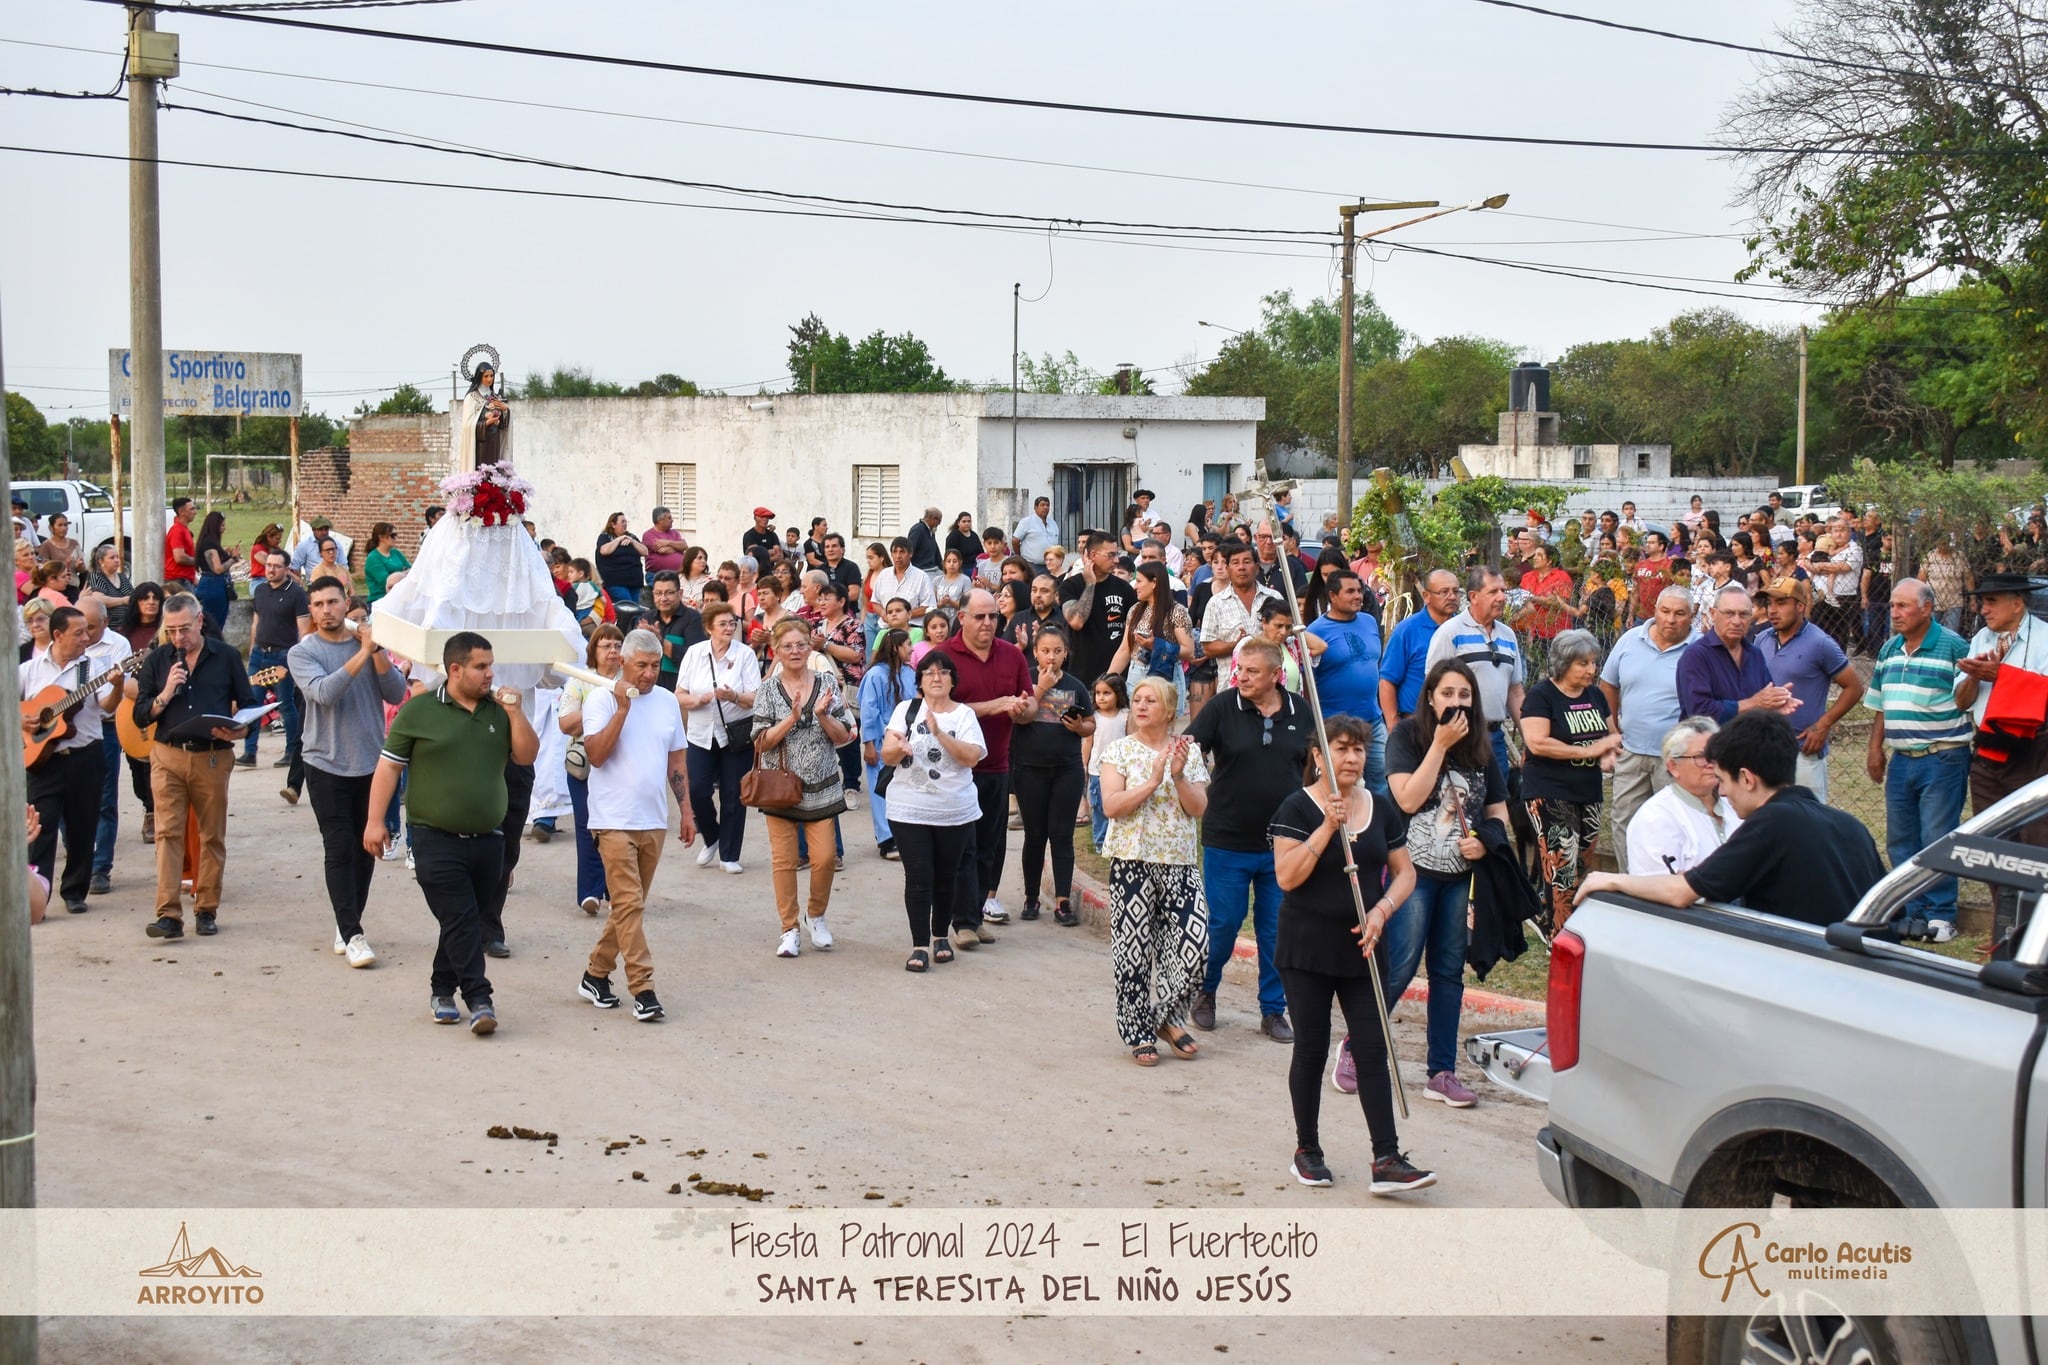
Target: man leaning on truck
<point>1792,857</point>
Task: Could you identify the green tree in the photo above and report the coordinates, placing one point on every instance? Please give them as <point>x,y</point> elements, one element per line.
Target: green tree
<point>1908,146</point>
<point>1249,367</point>
<point>1583,390</point>
<point>403,399</point>
<point>1133,381</point>
<point>1924,376</point>
<point>32,452</point>
<point>1309,335</point>
<point>1055,374</point>
<point>824,361</point>
<point>566,381</point>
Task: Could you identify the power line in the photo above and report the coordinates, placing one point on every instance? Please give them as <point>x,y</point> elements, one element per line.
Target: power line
<point>1781,53</point>
<point>1327,194</point>
<point>1017,101</point>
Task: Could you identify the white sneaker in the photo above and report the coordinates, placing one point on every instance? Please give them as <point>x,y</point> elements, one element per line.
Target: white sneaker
<point>390,850</point>
<point>339,946</point>
<point>1941,930</point>
<point>736,869</point>
<point>821,937</point>
<point>707,855</point>
<point>789,947</point>
<point>359,954</point>
<point>408,860</point>
<point>853,800</point>
<point>589,905</point>
<point>992,911</point>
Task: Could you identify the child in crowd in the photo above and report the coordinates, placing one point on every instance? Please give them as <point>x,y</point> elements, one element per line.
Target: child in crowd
<point>1112,701</point>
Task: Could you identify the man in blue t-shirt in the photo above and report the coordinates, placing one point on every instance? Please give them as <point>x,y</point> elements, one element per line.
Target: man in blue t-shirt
<point>1406,661</point>
<point>1348,671</point>
<point>1804,659</point>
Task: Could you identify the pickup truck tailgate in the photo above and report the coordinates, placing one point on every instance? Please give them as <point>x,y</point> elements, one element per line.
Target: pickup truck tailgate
<point>1518,1060</point>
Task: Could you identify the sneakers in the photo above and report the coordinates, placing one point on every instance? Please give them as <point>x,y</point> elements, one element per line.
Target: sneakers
<point>165,928</point>
<point>391,852</point>
<point>444,1010</point>
<point>1938,930</point>
<point>789,946</point>
<point>1397,1175</point>
<point>1344,1075</point>
<point>1446,1086</point>
<point>852,800</point>
<point>204,925</point>
<point>290,795</point>
<point>102,884</point>
<point>887,848</point>
<point>598,991</point>
<point>482,1018</point>
<point>734,868</point>
<point>496,948</point>
<point>408,860</point>
<point>359,953</point>
<point>340,944</point>
<point>589,905</point>
<point>821,936</point>
<point>1030,910</point>
<point>540,833</point>
<point>707,855</point>
<point>149,827</point>
<point>1064,914</point>
<point>245,760</point>
<point>992,911</point>
<point>646,1008</point>
<point>1309,1167</point>
<point>976,933</point>
<point>1204,1012</point>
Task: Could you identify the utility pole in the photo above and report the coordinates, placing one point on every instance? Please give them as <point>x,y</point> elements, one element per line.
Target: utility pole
<point>1799,460</point>
<point>17,984</point>
<point>1016,311</point>
<point>151,56</point>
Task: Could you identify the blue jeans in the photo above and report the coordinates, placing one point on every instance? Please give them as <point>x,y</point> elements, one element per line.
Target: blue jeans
<point>622,595</point>
<point>1431,923</point>
<point>214,594</point>
<point>1499,740</point>
<point>1376,760</point>
<point>803,842</point>
<point>1227,880</point>
<point>287,706</point>
<point>1098,823</point>
<point>1923,800</point>
<point>589,867</point>
<point>878,804</point>
<point>391,813</point>
<point>110,805</point>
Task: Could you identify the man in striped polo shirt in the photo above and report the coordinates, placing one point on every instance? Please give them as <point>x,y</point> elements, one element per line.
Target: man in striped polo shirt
<point>1487,645</point>
<point>1926,738</point>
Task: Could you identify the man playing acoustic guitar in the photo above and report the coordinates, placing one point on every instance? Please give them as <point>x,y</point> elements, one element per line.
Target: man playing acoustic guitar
<point>65,785</point>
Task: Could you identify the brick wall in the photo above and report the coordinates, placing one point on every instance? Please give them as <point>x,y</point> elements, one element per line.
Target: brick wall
<point>391,471</point>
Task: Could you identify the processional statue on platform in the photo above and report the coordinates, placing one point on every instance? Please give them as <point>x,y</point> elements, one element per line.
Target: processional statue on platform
<point>483,421</point>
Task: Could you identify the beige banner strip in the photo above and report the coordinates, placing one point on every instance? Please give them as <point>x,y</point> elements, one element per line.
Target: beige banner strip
<point>1379,1260</point>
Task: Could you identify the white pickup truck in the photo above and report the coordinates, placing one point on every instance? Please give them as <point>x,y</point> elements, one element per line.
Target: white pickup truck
<point>88,507</point>
<point>1714,1057</point>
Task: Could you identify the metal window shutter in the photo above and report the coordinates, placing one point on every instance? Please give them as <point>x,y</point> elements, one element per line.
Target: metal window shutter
<point>678,493</point>
<point>875,499</point>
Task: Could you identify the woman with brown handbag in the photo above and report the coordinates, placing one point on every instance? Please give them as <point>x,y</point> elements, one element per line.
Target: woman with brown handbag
<point>800,721</point>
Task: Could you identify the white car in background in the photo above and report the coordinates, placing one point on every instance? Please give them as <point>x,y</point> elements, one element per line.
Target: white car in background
<point>1802,498</point>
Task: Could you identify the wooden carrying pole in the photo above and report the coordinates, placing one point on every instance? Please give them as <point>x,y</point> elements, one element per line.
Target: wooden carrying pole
<point>1358,903</point>
<point>114,487</point>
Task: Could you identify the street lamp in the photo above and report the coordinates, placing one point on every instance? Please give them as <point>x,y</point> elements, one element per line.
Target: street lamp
<point>1234,331</point>
<point>1348,213</point>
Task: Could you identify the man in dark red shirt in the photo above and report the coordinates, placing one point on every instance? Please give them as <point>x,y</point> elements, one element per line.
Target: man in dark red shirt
<point>1653,573</point>
<point>995,681</point>
<point>181,552</point>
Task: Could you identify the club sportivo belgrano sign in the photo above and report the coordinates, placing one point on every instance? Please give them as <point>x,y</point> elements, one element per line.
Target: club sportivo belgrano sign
<point>216,383</point>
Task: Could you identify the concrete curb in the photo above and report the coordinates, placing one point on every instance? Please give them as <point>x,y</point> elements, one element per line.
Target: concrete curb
<point>1093,899</point>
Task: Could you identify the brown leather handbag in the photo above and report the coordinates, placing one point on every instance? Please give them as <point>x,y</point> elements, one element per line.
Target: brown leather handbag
<point>766,788</point>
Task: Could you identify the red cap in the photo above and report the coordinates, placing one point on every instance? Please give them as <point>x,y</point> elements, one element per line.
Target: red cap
<point>764,512</point>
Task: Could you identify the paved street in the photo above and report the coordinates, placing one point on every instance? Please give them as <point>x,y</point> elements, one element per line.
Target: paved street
<point>255,1069</point>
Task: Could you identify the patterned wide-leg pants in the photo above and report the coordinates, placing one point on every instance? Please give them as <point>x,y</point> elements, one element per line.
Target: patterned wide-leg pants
<point>1565,834</point>
<point>1158,944</point>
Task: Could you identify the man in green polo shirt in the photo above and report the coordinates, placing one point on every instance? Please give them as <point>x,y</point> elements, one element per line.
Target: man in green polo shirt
<point>453,744</point>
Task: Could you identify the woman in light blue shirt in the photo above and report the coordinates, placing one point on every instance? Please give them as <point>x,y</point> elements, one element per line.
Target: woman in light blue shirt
<point>889,681</point>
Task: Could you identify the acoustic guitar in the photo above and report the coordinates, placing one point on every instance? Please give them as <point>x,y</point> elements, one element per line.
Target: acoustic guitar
<point>137,739</point>
<point>46,718</point>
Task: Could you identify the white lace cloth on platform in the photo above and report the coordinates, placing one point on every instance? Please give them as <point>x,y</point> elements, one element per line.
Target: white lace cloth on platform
<point>474,577</point>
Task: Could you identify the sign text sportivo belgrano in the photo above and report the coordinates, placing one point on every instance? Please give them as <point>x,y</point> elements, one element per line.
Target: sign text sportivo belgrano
<point>216,384</point>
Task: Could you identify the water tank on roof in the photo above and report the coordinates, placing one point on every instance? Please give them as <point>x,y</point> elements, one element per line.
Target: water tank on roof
<point>1529,387</point>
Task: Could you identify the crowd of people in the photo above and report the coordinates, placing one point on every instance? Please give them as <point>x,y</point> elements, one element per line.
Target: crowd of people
<point>1670,692</point>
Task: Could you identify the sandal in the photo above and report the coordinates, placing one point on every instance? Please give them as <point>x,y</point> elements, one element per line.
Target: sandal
<point>942,951</point>
<point>1180,1040</point>
<point>918,960</point>
<point>1145,1055</point>
<point>1064,913</point>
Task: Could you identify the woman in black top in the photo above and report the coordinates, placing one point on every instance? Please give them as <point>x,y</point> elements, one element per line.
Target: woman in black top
<point>1047,774</point>
<point>214,589</point>
<point>964,539</point>
<point>1570,739</point>
<point>621,560</point>
<point>1749,569</point>
<point>1322,947</point>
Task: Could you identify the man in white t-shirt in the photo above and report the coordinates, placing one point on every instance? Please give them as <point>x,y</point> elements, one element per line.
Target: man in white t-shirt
<point>634,738</point>
<point>904,579</point>
<point>1679,826</point>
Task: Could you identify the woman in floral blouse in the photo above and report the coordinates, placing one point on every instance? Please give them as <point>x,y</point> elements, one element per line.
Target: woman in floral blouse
<point>1154,789</point>
<point>800,720</point>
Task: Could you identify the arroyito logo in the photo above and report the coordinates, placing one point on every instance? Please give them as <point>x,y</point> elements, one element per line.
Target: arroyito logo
<point>218,1275</point>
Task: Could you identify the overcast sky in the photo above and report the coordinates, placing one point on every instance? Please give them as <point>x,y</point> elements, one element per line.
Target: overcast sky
<point>380,284</point>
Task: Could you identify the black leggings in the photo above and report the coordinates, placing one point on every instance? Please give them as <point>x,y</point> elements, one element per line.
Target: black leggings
<point>931,856</point>
<point>138,778</point>
<point>1308,1004</point>
<point>1049,799</point>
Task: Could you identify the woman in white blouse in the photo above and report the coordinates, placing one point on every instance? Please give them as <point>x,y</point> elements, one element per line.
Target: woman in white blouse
<point>715,686</point>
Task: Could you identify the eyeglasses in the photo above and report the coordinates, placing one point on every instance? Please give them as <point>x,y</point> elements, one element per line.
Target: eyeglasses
<point>1700,759</point>
<point>1266,735</point>
<point>977,616</point>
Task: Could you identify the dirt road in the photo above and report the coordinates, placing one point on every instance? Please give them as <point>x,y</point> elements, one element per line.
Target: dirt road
<point>255,1069</point>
